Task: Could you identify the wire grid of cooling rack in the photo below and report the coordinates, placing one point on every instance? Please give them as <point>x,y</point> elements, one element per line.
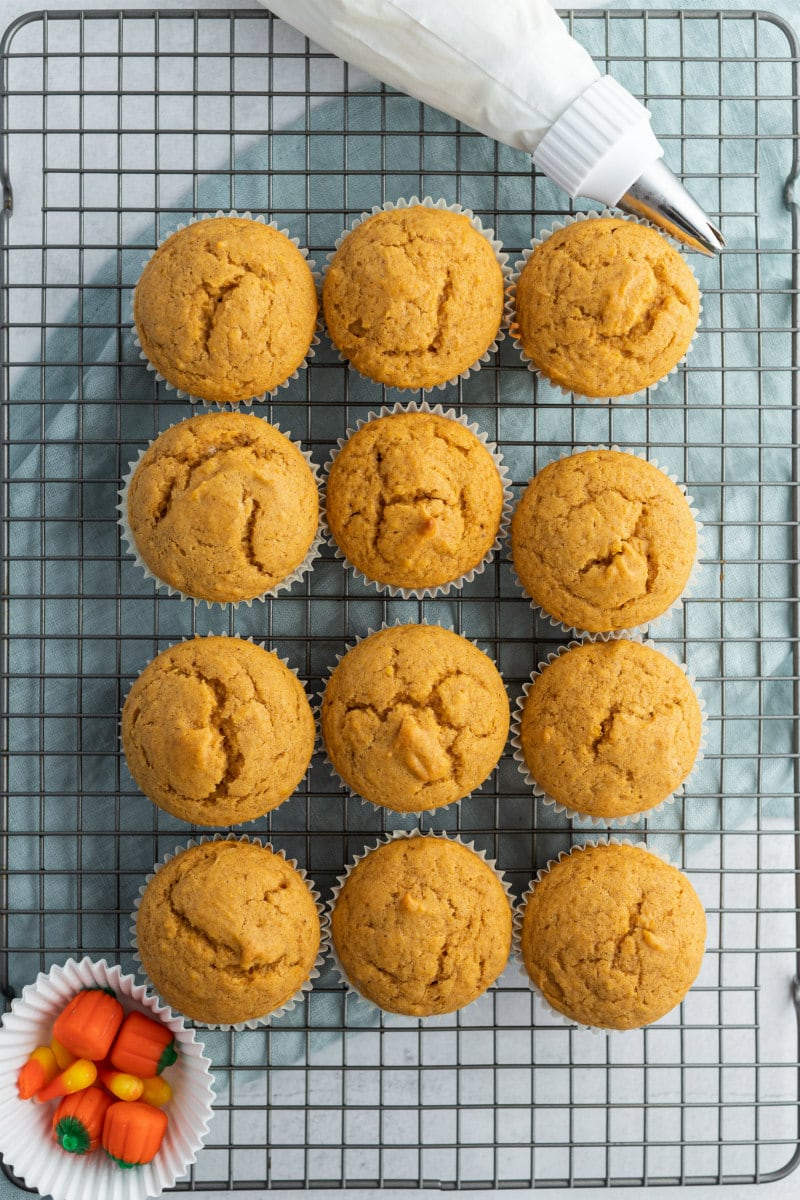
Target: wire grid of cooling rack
<point>118,126</point>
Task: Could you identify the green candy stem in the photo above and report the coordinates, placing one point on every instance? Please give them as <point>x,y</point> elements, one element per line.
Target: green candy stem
<point>125,1166</point>
<point>72,1136</point>
<point>169,1055</point>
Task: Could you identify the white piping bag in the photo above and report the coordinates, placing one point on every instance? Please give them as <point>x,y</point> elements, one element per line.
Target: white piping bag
<point>511,70</point>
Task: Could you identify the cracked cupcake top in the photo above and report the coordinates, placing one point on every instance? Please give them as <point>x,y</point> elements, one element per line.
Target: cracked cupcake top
<point>226,308</point>
<point>610,728</point>
<point>603,540</point>
<point>422,926</point>
<point>414,500</point>
<point>223,507</point>
<point>217,731</point>
<point>227,931</point>
<point>613,936</point>
<point>606,307</point>
<point>413,296</point>
<point>414,717</point>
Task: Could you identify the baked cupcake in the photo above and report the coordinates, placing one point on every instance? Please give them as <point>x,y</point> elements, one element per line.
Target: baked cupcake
<point>421,926</point>
<point>605,307</point>
<point>613,936</point>
<point>414,500</point>
<point>217,731</point>
<point>414,717</point>
<point>225,309</point>
<point>603,540</point>
<point>223,508</point>
<point>414,296</point>
<point>610,729</point>
<point>227,932</point>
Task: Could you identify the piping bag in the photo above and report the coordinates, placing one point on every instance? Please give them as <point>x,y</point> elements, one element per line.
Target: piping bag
<point>511,70</point>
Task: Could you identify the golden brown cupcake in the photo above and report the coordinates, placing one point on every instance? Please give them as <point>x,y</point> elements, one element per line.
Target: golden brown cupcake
<point>603,540</point>
<point>227,932</point>
<point>217,731</point>
<point>610,729</point>
<point>605,307</point>
<point>414,500</point>
<point>225,309</point>
<point>414,717</point>
<point>421,926</point>
<point>222,507</point>
<point>414,296</point>
<point>612,936</point>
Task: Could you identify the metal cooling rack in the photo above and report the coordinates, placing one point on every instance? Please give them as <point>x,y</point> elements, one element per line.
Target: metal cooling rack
<point>118,126</point>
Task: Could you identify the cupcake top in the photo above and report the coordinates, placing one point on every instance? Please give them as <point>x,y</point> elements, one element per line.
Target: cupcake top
<point>603,540</point>
<point>226,308</point>
<point>414,717</point>
<point>613,936</point>
<point>223,507</point>
<point>227,932</point>
<point>610,728</point>
<point>422,926</point>
<point>414,500</point>
<point>606,307</point>
<point>217,731</point>
<point>413,296</point>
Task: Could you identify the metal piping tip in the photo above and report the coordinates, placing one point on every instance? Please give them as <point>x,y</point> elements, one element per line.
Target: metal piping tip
<point>660,197</point>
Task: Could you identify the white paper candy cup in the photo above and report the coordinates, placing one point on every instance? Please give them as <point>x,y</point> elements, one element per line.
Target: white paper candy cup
<point>306,985</point>
<point>26,1139</point>
<point>519,914</point>
<point>284,585</point>
<point>384,841</point>
<point>244,216</point>
<point>558,805</point>
<point>440,589</point>
<point>500,255</point>
<point>677,603</point>
<point>519,265</point>
<point>262,646</point>
<point>385,808</point>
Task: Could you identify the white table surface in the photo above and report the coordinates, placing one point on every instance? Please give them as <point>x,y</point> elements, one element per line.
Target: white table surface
<point>780,1190</point>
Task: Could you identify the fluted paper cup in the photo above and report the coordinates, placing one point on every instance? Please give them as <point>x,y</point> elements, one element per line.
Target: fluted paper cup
<point>26,1139</point>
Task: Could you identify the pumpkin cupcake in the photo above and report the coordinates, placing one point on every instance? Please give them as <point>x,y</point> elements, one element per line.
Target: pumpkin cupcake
<point>228,932</point>
<point>223,508</point>
<point>612,936</point>
<point>421,926</point>
<point>414,296</point>
<point>414,717</point>
<point>609,729</point>
<point>217,731</point>
<point>225,309</point>
<point>603,540</point>
<point>605,307</point>
<point>415,500</point>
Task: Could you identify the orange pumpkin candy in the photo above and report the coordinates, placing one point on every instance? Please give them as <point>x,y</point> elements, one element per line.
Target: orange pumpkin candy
<point>133,1132</point>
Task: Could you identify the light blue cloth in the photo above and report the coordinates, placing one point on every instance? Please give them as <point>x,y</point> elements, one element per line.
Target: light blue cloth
<point>688,417</point>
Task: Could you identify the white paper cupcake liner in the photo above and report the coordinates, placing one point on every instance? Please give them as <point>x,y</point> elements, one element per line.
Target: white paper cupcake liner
<point>558,805</point>
<point>306,986</point>
<point>499,253</point>
<point>262,646</point>
<point>384,808</point>
<point>677,603</point>
<point>519,912</point>
<point>244,216</point>
<point>519,265</point>
<point>284,585</point>
<point>440,589</point>
<point>350,988</point>
<point>26,1139</point>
